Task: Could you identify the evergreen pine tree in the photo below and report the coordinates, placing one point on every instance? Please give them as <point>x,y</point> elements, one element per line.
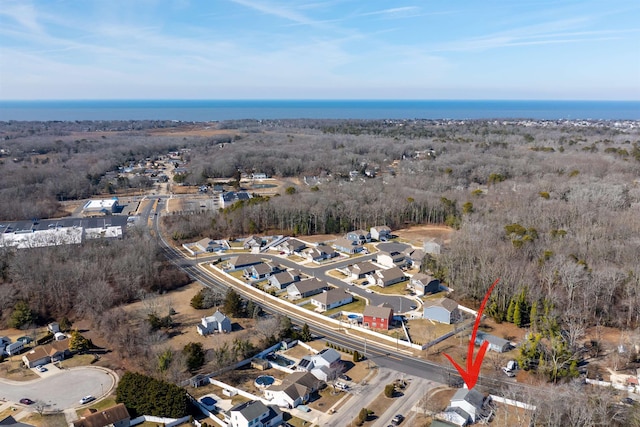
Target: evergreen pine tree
<point>510,310</point>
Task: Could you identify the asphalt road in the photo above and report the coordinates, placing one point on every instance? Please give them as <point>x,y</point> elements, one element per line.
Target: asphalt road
<point>59,389</point>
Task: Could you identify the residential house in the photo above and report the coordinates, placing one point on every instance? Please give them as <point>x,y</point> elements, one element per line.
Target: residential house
<point>9,421</point>
<point>209,245</point>
<point>387,277</point>
<point>414,257</point>
<point>217,322</point>
<point>347,246</point>
<point>306,288</point>
<point>284,278</point>
<point>41,355</point>
<point>320,253</point>
<point>432,246</point>
<point>294,390</point>
<point>471,402</point>
<point>331,299</point>
<point>443,310</point>
<point>377,317</point>
<point>381,233</point>
<point>361,270</point>
<point>242,261</point>
<point>261,271</point>
<point>323,365</point>
<point>359,236</point>
<point>231,197</point>
<point>259,175</point>
<point>424,284</point>
<point>115,416</point>
<point>497,344</point>
<point>292,246</point>
<point>391,259</point>
<point>253,242</point>
<point>254,413</point>
<point>53,327</point>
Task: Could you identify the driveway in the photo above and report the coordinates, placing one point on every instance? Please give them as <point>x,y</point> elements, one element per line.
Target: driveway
<point>61,389</point>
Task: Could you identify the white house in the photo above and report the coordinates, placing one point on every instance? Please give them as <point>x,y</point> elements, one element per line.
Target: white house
<point>294,390</point>
<point>331,299</point>
<point>322,365</point>
<point>217,322</point>
<point>470,401</point>
<point>380,233</point>
<point>391,259</point>
<point>254,413</point>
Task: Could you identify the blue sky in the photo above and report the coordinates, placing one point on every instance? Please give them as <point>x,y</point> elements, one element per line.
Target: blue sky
<point>315,49</point>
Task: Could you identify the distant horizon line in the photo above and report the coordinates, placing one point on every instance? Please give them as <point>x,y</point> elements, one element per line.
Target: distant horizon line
<point>316,100</point>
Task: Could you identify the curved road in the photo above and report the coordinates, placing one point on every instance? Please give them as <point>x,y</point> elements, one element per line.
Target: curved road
<point>60,388</point>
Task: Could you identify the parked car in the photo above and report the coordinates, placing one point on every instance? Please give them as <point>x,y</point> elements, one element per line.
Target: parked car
<point>341,386</point>
<point>345,377</point>
<point>397,419</point>
<point>26,401</point>
<point>369,291</point>
<point>41,368</point>
<point>508,372</point>
<point>87,399</point>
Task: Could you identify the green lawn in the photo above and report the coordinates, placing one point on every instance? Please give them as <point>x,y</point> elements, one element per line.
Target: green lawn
<point>357,306</point>
<point>397,289</point>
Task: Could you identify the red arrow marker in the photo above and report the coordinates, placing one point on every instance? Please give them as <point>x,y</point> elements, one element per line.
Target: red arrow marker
<point>470,376</point>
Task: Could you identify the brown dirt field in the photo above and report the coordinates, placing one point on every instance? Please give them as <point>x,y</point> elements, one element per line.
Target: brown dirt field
<point>195,130</point>
<point>416,235</point>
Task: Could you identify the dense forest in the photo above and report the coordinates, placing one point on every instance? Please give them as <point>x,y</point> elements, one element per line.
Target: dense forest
<point>549,207</point>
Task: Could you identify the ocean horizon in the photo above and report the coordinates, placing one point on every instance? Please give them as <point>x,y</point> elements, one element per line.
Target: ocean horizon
<point>220,110</point>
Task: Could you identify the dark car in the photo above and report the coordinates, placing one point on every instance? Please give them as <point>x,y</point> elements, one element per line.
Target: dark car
<point>26,401</point>
<point>397,419</point>
<point>345,377</point>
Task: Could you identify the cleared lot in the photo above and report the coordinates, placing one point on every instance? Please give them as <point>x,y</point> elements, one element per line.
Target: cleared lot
<point>61,390</point>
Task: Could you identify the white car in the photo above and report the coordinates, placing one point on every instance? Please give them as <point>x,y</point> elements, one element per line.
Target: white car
<point>508,372</point>
<point>369,291</point>
<point>41,368</point>
<point>87,399</point>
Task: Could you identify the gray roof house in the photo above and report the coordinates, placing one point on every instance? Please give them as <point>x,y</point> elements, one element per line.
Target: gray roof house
<point>294,390</point>
<point>230,197</point>
<point>414,257</point>
<point>347,246</point>
<point>283,279</point>
<point>291,246</point>
<point>387,277</point>
<point>306,288</point>
<point>381,233</point>
<point>391,259</point>
<point>360,270</point>
<point>331,299</point>
<point>217,322</point>
<point>424,284</point>
<point>243,261</point>
<point>252,242</point>
<point>470,401</point>
<point>254,413</point>
<point>359,236</point>
<point>443,310</point>
<point>321,364</point>
<point>320,253</point>
<point>261,270</point>
<point>497,344</point>
<point>210,245</point>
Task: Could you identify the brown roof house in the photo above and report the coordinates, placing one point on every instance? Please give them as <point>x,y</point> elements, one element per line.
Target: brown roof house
<point>47,353</point>
<point>116,416</point>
